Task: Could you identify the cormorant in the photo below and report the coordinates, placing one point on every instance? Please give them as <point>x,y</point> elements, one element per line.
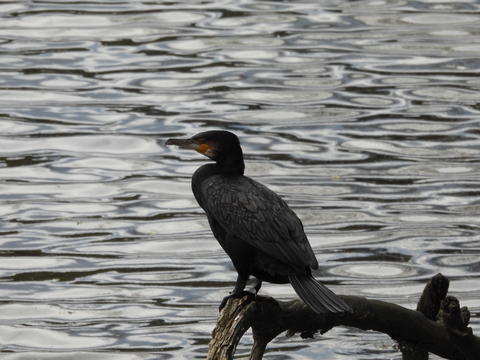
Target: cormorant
<point>260,233</point>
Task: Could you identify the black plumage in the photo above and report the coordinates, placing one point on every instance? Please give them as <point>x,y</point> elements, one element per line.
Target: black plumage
<point>263,237</point>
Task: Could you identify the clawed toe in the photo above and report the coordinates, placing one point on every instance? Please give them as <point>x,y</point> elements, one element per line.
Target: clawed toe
<point>237,295</point>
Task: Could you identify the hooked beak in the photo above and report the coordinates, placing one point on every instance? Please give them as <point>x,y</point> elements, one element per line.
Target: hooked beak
<point>190,144</point>
<point>183,143</point>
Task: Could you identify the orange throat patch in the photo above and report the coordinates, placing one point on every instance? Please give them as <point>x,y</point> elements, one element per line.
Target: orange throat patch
<point>203,148</point>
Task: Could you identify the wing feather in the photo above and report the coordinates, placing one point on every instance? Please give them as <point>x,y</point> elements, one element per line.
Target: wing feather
<point>255,214</point>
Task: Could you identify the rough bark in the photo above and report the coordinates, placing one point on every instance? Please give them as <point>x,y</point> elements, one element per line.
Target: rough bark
<point>234,319</point>
<point>455,320</point>
<point>429,305</point>
<point>449,338</point>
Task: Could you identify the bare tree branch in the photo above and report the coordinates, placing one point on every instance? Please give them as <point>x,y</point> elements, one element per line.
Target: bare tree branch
<point>449,338</point>
<point>429,304</point>
<point>455,321</point>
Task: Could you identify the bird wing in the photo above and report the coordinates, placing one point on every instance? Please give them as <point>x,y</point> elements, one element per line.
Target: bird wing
<point>255,214</point>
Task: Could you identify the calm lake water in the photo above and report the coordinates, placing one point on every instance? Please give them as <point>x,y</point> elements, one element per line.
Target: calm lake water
<point>363,115</point>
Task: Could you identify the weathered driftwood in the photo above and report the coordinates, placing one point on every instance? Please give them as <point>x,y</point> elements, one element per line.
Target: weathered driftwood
<point>429,305</point>
<point>448,337</point>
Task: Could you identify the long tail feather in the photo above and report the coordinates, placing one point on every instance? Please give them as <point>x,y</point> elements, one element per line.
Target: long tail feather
<point>317,296</point>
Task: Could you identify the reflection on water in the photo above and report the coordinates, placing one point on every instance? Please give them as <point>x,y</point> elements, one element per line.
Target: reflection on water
<point>364,115</point>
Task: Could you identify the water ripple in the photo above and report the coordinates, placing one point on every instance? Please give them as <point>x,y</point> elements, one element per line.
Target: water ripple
<point>362,115</point>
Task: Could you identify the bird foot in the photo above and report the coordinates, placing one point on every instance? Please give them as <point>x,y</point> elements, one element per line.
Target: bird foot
<point>237,295</point>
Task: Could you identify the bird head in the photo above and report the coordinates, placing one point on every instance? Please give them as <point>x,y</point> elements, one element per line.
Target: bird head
<point>221,146</point>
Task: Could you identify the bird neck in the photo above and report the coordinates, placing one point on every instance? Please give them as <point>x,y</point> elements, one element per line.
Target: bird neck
<point>231,162</point>
<point>231,166</point>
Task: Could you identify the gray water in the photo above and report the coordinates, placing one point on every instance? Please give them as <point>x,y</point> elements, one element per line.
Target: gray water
<point>363,115</point>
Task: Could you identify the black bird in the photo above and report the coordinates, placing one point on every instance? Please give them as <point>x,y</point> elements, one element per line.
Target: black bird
<point>255,227</point>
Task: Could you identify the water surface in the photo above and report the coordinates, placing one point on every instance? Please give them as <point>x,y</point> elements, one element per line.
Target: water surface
<point>363,115</point>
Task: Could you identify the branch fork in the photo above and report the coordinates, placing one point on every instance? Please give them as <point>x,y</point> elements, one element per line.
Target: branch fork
<point>439,325</point>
